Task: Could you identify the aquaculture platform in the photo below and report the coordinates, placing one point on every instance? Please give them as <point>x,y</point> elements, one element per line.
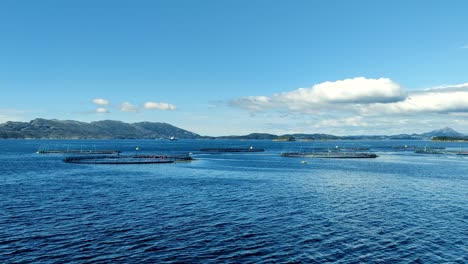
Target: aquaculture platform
<point>78,151</point>
<point>121,159</point>
<point>429,151</point>
<point>330,155</point>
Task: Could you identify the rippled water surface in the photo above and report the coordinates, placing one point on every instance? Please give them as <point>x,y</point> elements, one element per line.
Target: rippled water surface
<point>249,208</point>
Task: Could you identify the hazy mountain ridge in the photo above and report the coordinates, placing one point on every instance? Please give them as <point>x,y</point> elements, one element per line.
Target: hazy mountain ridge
<point>317,136</point>
<point>110,129</point>
<point>107,129</point>
<point>444,132</point>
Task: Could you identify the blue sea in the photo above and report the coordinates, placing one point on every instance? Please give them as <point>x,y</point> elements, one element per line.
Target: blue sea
<point>401,207</point>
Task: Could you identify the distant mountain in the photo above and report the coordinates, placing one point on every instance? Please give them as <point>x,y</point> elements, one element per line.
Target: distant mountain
<point>436,133</point>
<point>266,136</point>
<point>108,129</point>
<point>444,132</point>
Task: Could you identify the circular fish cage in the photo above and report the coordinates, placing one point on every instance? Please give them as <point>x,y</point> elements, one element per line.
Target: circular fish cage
<point>120,159</point>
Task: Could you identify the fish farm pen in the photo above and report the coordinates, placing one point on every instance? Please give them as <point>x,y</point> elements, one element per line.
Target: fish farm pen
<point>127,159</point>
<point>74,149</point>
<point>78,151</point>
<point>330,155</point>
<point>429,151</point>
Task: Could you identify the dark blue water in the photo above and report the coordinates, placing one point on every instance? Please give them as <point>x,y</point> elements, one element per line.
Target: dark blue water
<point>236,208</point>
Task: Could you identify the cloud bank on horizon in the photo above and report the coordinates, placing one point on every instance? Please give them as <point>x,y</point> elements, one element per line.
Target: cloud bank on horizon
<point>363,97</point>
<point>360,106</point>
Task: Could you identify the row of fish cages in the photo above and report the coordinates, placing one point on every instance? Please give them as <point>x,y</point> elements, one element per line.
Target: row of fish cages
<point>440,150</point>
<point>365,152</point>
<point>115,156</point>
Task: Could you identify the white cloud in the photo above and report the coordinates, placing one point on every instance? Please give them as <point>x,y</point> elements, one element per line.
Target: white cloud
<point>159,106</point>
<point>353,106</point>
<point>358,90</point>
<point>448,99</point>
<point>127,107</point>
<point>100,101</point>
<point>449,88</point>
<point>364,96</point>
<point>465,47</point>
<point>102,110</point>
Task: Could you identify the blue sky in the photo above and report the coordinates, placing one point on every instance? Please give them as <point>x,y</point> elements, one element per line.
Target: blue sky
<point>236,67</point>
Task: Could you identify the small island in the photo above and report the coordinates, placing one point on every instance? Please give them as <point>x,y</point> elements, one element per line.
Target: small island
<point>284,138</point>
